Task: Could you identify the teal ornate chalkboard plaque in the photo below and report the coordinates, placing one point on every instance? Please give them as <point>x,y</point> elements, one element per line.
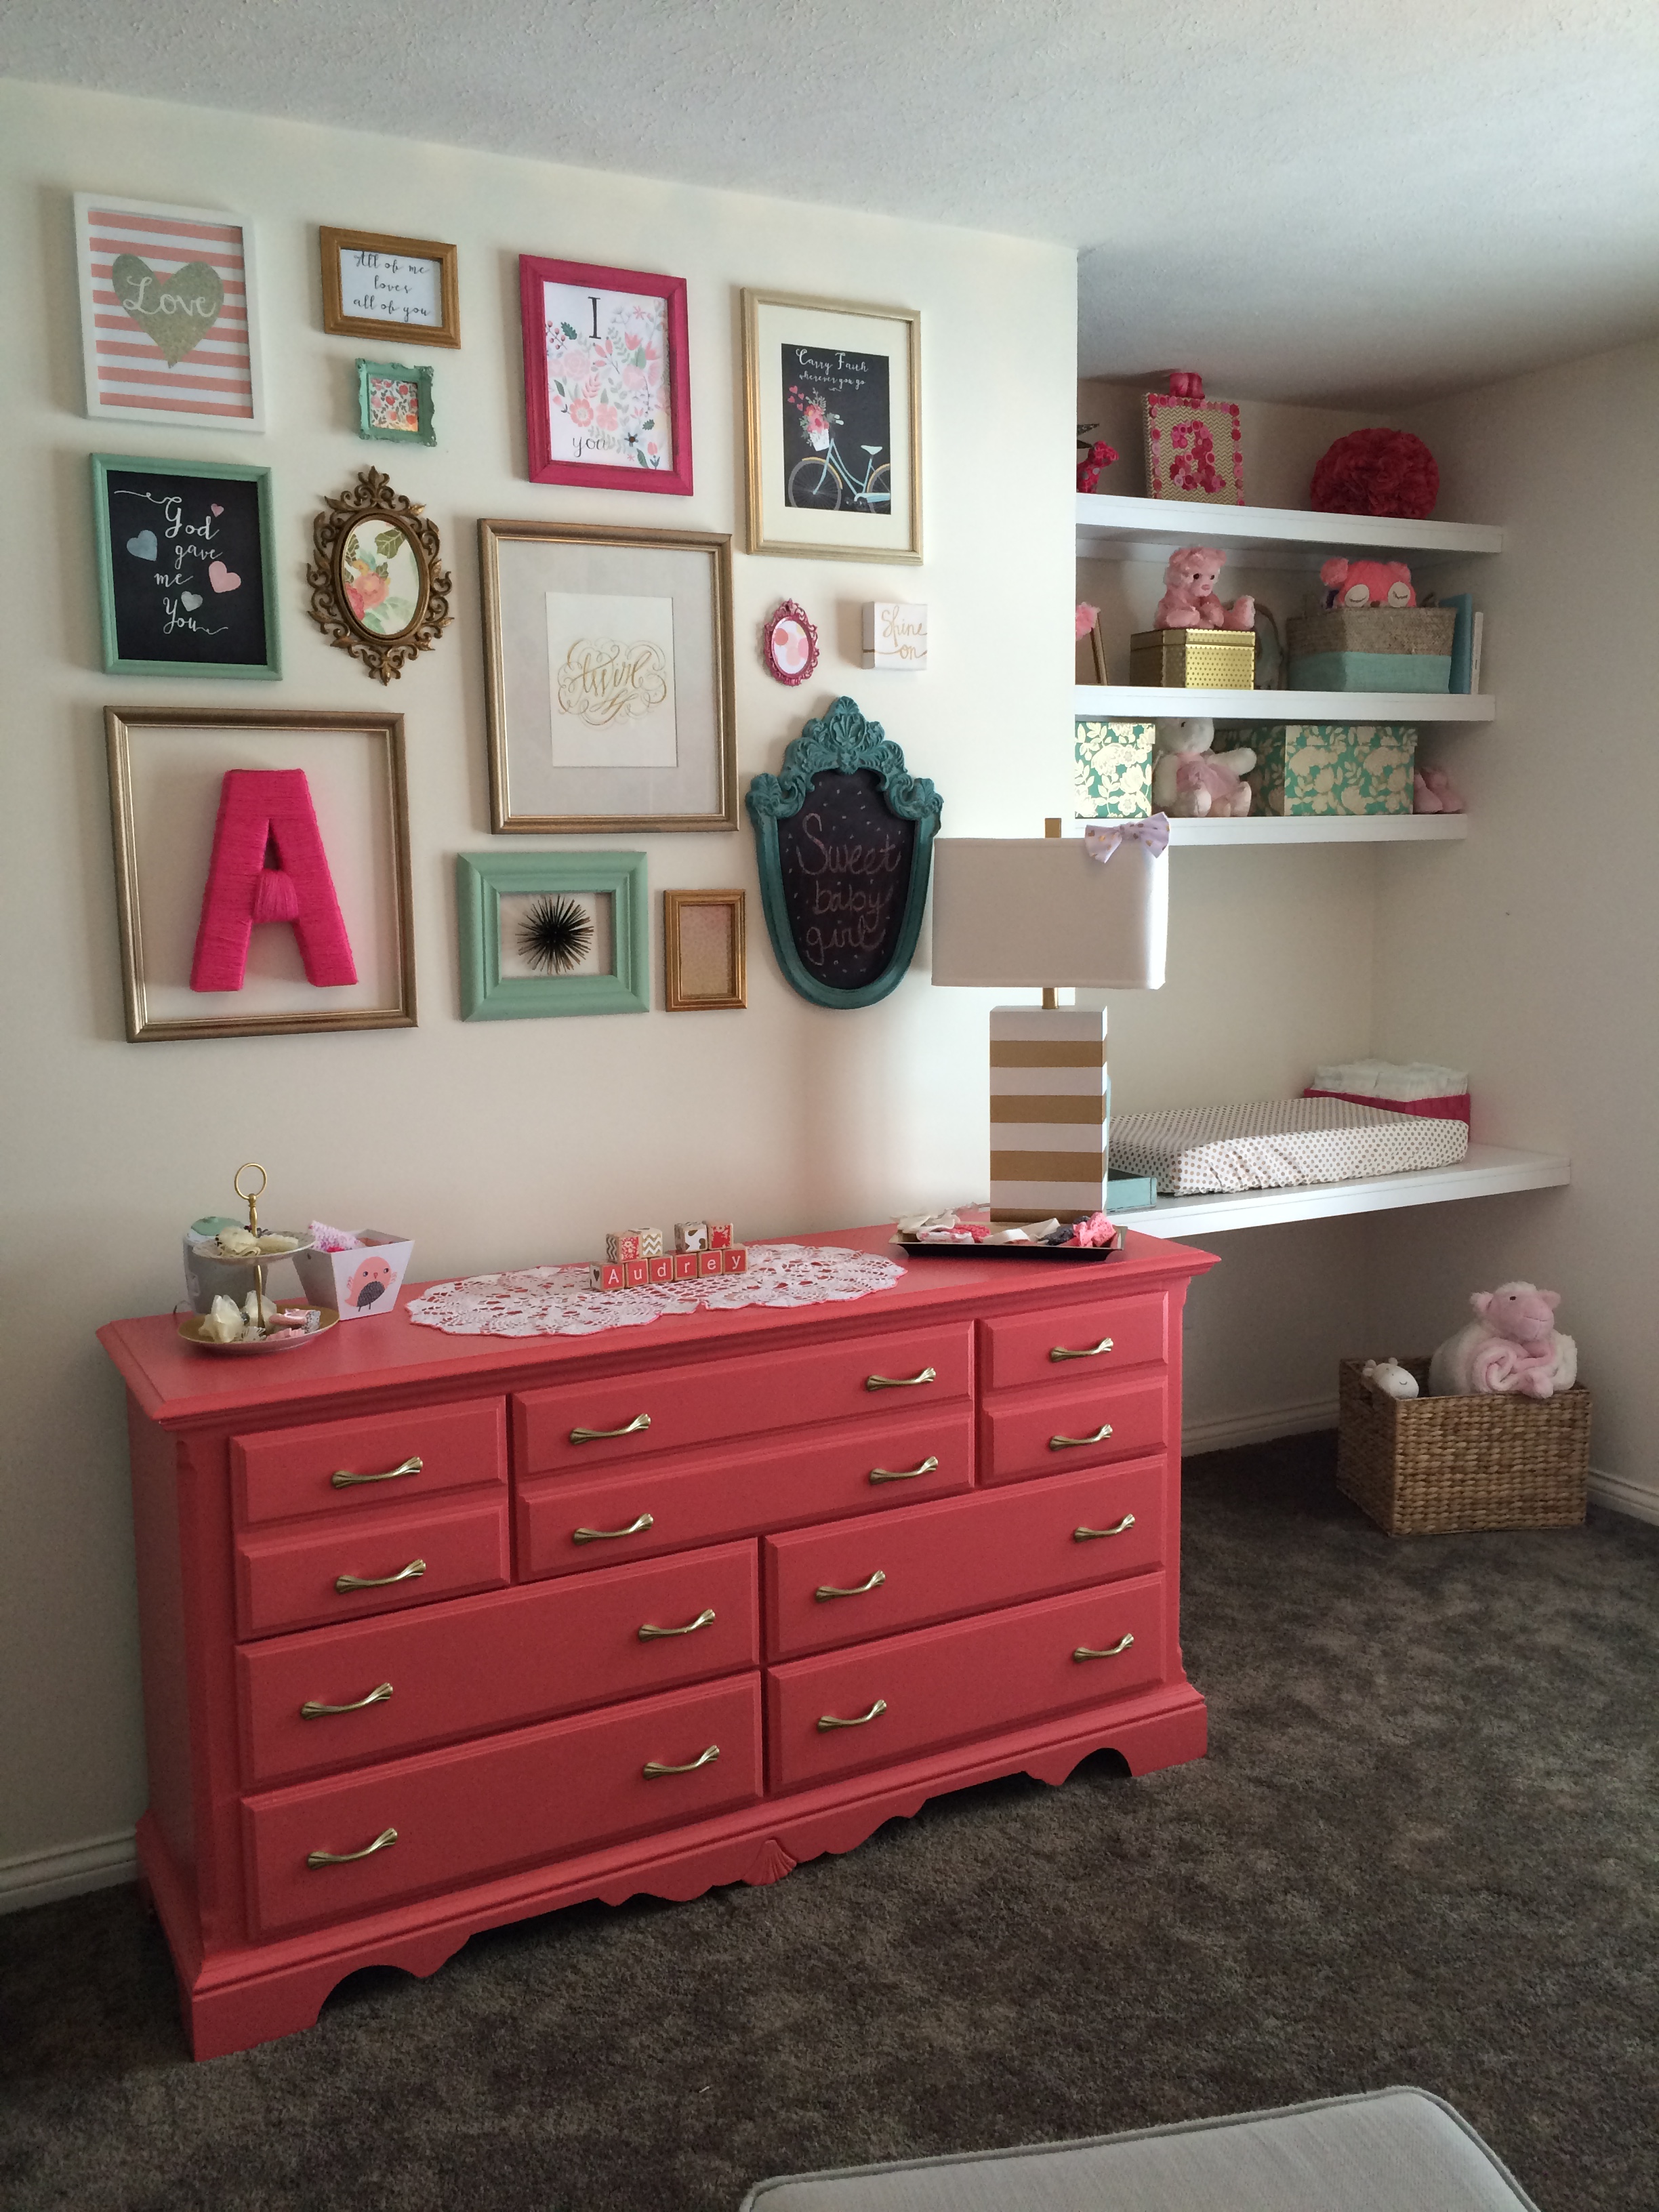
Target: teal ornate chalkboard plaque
<point>845,838</point>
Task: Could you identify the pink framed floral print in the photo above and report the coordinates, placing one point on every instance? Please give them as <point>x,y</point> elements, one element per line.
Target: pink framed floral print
<point>607,381</point>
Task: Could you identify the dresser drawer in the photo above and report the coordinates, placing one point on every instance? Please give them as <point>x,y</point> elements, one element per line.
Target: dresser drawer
<point>481,1809</point>
<point>824,1587</point>
<point>939,1685</point>
<point>1051,1432</point>
<point>586,1427</point>
<point>1093,1338</point>
<point>703,1497</point>
<point>290,1581</point>
<point>392,1459</point>
<point>480,1664</point>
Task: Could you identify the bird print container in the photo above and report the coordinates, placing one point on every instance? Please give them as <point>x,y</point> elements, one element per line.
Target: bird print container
<point>363,1280</point>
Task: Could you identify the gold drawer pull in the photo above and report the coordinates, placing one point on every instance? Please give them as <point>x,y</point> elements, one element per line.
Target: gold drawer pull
<point>1089,1351</point>
<point>828,1720</point>
<point>1083,1535</point>
<point>596,1435</point>
<point>858,1589</point>
<point>342,1479</point>
<point>384,1841</point>
<point>902,1473</point>
<point>899,1381</point>
<point>312,1710</point>
<point>1060,1443</point>
<point>653,1768</point>
<point>603,1536</point>
<point>1111,1652</point>
<point>411,1573</point>
<point>690,1628</point>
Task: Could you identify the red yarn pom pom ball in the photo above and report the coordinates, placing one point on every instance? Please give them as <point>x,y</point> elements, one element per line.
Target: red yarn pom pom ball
<point>1378,472</point>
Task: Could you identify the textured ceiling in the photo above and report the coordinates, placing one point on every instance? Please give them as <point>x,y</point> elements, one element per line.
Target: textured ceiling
<point>1305,200</point>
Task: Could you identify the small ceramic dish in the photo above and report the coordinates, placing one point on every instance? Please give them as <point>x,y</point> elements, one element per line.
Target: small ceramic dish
<point>281,1340</point>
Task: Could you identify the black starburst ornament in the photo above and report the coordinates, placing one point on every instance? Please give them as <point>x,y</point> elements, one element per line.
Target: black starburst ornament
<point>556,935</point>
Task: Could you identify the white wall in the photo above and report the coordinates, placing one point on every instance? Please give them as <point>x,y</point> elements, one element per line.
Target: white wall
<point>1531,960</point>
<point>494,1144</point>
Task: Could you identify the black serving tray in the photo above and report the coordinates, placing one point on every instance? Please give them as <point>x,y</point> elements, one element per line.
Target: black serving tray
<point>1073,1255</point>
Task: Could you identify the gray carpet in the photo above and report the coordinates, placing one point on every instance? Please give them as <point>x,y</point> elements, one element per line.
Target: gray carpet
<point>1422,1849</point>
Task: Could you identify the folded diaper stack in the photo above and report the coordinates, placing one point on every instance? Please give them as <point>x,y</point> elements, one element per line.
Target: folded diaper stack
<point>1439,1094</point>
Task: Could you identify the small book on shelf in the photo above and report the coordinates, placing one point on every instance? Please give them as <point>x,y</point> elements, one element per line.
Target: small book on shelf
<point>1465,642</point>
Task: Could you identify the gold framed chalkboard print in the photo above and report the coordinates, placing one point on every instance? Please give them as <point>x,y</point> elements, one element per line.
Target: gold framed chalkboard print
<point>186,567</point>
<point>832,395</point>
<point>378,287</point>
<point>844,837</point>
<point>608,678</point>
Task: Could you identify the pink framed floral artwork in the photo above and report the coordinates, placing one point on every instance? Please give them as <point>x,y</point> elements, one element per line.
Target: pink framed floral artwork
<point>607,385</point>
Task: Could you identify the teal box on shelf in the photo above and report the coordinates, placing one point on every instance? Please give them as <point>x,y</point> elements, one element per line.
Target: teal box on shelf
<point>1112,769</point>
<point>1326,767</point>
<point>1370,649</point>
<point>1130,1193</point>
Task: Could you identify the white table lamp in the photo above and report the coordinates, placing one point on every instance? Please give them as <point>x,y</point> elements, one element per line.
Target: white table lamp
<point>1035,911</point>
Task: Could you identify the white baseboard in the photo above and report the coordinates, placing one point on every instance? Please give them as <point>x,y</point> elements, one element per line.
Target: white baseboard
<point>1223,1430</point>
<point>1619,1495</point>
<point>42,1877</point>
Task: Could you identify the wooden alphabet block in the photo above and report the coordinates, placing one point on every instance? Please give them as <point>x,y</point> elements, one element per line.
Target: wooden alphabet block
<point>685,1265</point>
<point>638,1273</point>
<point>633,1244</point>
<point>662,1267</point>
<point>607,1275</point>
<point>719,1235</point>
<point>736,1257</point>
<point>710,1263</point>
<point>691,1235</point>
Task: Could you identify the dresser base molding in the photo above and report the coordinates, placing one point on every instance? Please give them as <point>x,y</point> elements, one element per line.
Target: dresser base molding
<point>254,1993</point>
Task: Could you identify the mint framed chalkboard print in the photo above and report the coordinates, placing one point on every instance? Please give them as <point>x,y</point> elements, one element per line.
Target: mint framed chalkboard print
<point>845,843</point>
<point>186,567</point>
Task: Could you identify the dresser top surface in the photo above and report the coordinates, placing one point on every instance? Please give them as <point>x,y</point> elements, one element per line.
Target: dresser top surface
<point>178,1386</point>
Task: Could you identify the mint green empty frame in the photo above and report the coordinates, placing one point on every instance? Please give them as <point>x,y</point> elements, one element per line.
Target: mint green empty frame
<point>483,880</point>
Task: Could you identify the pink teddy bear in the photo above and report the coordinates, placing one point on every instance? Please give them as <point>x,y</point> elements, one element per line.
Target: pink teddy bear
<point>1511,1346</point>
<point>1189,601</point>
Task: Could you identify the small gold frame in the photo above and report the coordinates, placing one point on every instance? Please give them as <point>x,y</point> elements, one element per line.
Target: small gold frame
<point>142,1027</point>
<point>341,324</point>
<point>755,399</point>
<point>372,499</point>
<point>686,968</point>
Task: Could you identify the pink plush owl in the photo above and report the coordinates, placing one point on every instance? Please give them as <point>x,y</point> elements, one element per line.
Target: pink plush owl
<point>1367,584</point>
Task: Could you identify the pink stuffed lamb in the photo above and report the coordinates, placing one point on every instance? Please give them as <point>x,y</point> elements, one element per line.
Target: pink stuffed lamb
<point>1512,1345</point>
<point>1189,601</point>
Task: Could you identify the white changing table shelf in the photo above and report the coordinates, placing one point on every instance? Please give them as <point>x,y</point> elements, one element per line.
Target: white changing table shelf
<point>1484,1171</point>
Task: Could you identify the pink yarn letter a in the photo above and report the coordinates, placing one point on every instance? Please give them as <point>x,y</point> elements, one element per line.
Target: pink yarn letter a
<point>260,808</point>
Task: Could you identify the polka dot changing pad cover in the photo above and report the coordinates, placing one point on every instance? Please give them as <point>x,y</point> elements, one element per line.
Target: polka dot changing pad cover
<point>1274,1143</point>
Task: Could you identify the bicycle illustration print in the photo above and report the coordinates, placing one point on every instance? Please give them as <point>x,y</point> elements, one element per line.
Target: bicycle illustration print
<point>824,478</point>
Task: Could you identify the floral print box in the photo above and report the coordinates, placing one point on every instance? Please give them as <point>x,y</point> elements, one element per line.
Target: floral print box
<point>1327,768</point>
<point>1112,771</point>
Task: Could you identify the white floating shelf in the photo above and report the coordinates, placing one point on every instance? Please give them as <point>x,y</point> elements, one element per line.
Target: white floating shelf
<point>1113,528</point>
<point>1484,1172</point>
<point>1146,703</point>
<point>1307,829</point>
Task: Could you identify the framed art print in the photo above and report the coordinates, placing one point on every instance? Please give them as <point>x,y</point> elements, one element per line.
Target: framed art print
<point>833,403</point>
<point>606,377</point>
<point>552,934</point>
<point>186,567</point>
<point>262,872</point>
<point>376,287</point>
<point>169,325</point>
<point>608,678</point>
<point>394,401</point>
<point>704,954</point>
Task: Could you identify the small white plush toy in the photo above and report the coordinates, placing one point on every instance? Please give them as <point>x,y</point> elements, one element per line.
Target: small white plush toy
<point>1389,1376</point>
<point>1188,779</point>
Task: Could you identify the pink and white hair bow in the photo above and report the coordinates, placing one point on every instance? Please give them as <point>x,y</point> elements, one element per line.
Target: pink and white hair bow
<point>1102,839</point>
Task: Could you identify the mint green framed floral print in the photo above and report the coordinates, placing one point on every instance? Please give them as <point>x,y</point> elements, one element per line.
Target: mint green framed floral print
<point>394,401</point>
<point>552,934</point>
<point>186,567</point>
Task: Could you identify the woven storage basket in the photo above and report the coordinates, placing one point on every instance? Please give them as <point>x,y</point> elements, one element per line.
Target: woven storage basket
<point>1426,1467</point>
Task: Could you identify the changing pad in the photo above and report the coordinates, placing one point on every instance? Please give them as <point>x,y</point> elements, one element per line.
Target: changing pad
<point>1274,1143</point>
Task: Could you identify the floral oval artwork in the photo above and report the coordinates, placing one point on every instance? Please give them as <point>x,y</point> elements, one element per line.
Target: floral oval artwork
<point>791,644</point>
<point>606,397</point>
<point>381,577</point>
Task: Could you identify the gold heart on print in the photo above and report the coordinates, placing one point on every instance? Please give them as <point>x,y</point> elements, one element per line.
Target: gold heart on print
<point>176,311</point>
<point>222,579</point>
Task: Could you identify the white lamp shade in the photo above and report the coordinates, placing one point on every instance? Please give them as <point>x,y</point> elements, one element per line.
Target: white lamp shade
<point>1038,910</point>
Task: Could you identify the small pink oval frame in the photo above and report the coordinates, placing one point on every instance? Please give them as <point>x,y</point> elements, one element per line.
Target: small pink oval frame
<point>790,644</point>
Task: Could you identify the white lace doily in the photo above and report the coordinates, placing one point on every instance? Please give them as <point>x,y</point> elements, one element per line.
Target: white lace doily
<point>558,1301</point>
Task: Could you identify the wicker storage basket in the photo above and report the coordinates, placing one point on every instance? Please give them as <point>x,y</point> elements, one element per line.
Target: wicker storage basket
<point>1370,649</point>
<point>1426,1467</point>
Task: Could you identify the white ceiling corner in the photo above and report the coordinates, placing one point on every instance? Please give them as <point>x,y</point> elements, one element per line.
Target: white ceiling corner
<point>1305,200</point>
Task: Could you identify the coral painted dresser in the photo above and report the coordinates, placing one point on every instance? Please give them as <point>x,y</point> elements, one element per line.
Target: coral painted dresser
<point>439,1632</point>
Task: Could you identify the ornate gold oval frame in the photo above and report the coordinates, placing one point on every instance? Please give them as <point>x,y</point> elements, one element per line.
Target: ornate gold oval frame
<point>372,499</point>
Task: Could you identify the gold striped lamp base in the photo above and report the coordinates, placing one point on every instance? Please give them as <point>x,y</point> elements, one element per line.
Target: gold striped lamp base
<point>1050,1108</point>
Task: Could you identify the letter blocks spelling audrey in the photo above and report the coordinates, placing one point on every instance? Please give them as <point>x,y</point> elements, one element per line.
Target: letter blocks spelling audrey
<point>667,1267</point>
